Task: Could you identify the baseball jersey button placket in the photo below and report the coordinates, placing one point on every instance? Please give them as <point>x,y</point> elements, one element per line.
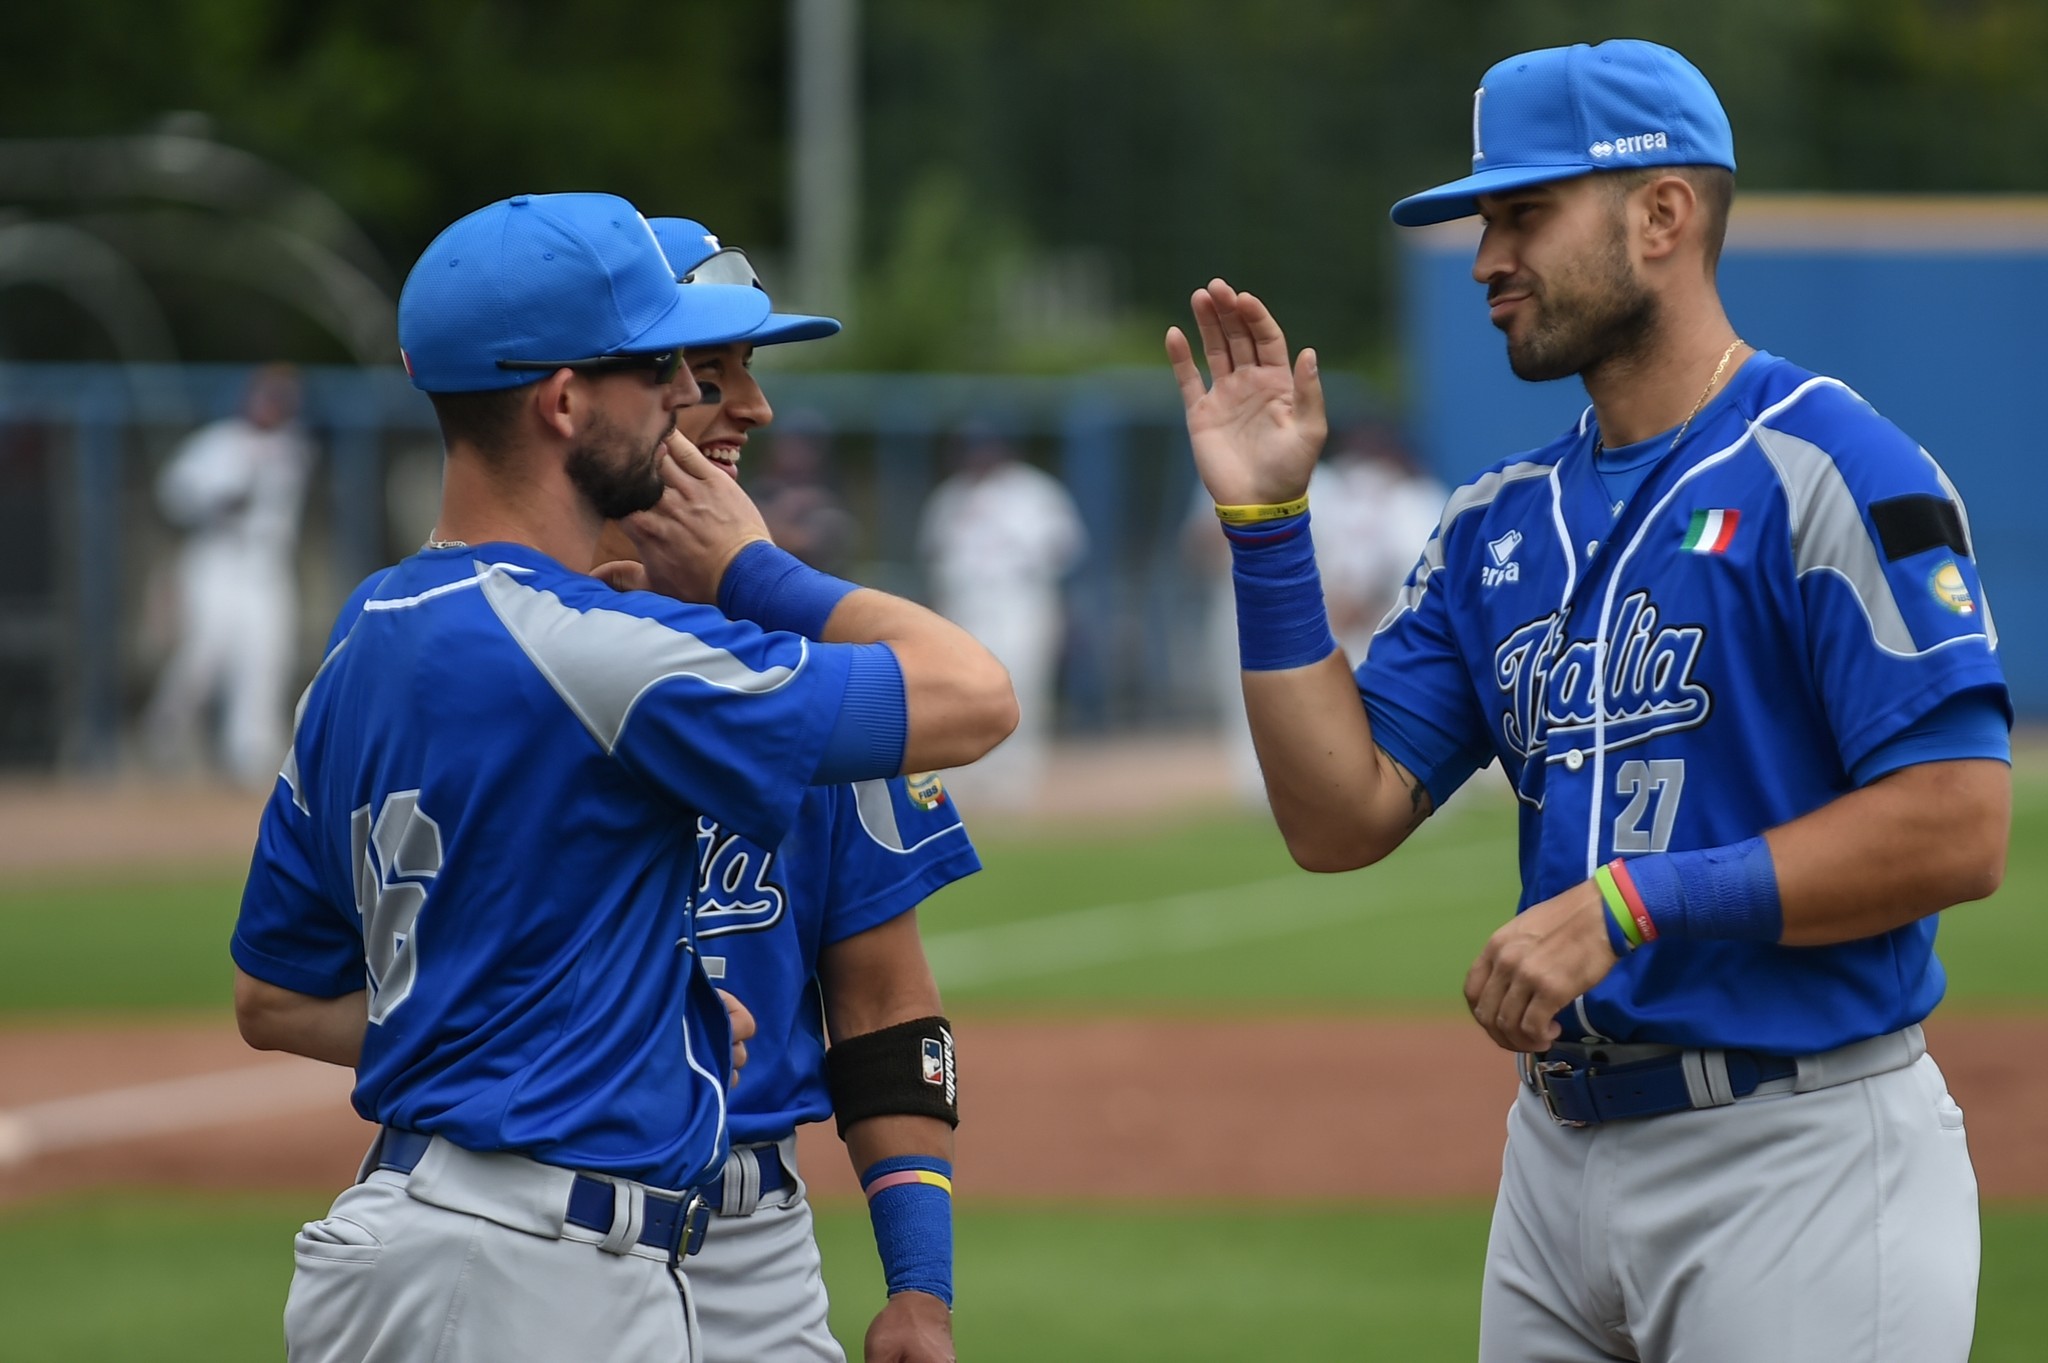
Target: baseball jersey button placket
<point>1574,759</point>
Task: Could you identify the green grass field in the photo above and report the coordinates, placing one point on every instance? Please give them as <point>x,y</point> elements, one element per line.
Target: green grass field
<point>1206,914</point>
<point>1194,915</point>
<point>178,1278</point>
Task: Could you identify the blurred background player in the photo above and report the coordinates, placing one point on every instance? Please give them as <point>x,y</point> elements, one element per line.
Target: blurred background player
<point>234,488</point>
<point>794,490</point>
<point>828,914</point>
<point>998,537</point>
<point>1380,509</point>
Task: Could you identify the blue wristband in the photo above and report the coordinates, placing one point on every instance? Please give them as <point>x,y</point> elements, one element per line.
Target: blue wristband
<point>1713,894</point>
<point>777,590</point>
<point>1281,622</point>
<point>910,1202</point>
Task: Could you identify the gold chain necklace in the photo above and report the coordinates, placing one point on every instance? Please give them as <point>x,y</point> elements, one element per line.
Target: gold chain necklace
<point>1600,442</point>
<point>1719,369</point>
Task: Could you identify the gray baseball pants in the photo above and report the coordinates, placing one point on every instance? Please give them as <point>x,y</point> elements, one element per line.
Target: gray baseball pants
<point>1834,1225</point>
<point>469,1260</point>
<point>757,1283</point>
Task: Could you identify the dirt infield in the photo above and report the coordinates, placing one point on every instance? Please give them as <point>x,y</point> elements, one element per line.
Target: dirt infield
<point>1283,1110</point>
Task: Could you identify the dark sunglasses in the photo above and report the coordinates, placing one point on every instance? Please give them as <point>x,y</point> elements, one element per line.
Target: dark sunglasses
<point>663,364</point>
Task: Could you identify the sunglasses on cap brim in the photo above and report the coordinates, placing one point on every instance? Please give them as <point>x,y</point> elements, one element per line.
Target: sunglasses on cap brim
<point>663,364</point>
<point>727,266</point>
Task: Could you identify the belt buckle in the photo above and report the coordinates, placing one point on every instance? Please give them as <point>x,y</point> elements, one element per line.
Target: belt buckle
<point>1539,1078</point>
<point>697,1211</point>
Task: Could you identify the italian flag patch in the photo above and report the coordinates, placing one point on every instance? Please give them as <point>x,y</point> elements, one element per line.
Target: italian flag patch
<point>1712,531</point>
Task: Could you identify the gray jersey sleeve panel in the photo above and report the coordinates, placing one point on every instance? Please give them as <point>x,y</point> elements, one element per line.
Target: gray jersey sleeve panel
<point>1478,493</point>
<point>1828,534</point>
<point>878,813</point>
<point>601,662</point>
<point>290,771</point>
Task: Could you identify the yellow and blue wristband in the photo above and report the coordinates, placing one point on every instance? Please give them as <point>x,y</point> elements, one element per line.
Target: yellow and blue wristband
<point>910,1203</point>
<point>1281,621</point>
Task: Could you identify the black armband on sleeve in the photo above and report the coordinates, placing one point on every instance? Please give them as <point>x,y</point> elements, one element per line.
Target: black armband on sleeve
<point>905,1070</point>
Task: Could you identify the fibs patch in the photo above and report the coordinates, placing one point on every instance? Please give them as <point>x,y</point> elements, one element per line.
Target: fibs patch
<point>926,790</point>
<point>1950,589</point>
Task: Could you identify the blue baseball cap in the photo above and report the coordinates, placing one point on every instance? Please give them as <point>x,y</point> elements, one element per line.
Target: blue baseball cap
<point>552,277</point>
<point>1567,111</point>
<point>700,259</point>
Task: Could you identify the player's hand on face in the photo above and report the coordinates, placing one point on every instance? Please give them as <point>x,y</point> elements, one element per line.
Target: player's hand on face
<point>742,1028</point>
<point>690,536</point>
<point>1536,964</point>
<point>1259,425</point>
<point>915,1327</point>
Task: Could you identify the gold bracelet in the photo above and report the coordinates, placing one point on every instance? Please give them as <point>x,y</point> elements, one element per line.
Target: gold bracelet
<point>1265,511</point>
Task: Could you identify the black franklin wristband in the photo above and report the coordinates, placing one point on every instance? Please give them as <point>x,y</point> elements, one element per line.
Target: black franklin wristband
<point>905,1070</point>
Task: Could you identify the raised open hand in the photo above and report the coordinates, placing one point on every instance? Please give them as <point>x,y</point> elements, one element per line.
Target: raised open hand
<point>1259,426</point>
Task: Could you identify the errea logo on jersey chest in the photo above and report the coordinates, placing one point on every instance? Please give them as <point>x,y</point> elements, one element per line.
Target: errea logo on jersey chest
<point>1503,568</point>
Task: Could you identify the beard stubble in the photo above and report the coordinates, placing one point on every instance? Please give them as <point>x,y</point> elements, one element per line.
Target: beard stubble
<point>1593,315</point>
<point>607,468</point>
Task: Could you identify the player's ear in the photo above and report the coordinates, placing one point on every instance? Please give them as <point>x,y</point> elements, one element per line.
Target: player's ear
<point>557,402</point>
<point>1662,210</point>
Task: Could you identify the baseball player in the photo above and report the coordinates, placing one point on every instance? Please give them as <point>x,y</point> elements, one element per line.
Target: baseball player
<point>998,536</point>
<point>236,487</point>
<point>819,931</point>
<point>1726,637</point>
<point>471,881</point>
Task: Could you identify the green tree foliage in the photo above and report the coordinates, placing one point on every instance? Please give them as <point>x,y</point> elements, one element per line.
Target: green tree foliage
<point>412,112</point>
<point>1167,139</point>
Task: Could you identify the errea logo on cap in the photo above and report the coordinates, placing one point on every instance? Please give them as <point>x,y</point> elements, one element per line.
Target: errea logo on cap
<point>1630,146</point>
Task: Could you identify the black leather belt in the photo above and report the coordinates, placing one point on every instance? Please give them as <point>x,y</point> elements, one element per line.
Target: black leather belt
<point>673,1223</point>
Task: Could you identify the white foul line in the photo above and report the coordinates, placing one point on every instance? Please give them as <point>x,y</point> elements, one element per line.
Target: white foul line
<point>275,1089</point>
<point>1194,921</point>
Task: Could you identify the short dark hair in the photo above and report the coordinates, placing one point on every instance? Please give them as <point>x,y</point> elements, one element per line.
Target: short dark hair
<point>1713,186</point>
<point>486,421</point>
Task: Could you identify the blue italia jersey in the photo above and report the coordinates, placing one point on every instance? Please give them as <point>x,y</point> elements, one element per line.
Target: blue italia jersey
<point>859,856</point>
<point>485,819</point>
<point>1689,663</point>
